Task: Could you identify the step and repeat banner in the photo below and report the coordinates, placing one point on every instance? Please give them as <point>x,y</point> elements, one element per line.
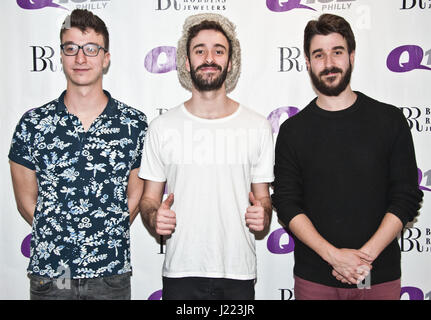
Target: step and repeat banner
<point>393,64</point>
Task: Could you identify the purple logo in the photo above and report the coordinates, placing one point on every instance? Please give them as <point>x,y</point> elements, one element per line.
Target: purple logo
<point>156,295</point>
<point>413,293</point>
<point>25,246</point>
<point>161,60</point>
<point>415,56</point>
<point>420,177</point>
<point>274,116</point>
<point>277,6</point>
<point>38,4</point>
<point>273,243</point>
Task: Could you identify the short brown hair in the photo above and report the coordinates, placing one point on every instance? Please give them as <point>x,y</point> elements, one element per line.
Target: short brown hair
<point>83,20</point>
<point>326,24</point>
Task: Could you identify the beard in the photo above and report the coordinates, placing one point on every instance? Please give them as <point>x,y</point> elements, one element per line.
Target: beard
<point>328,90</point>
<point>210,83</point>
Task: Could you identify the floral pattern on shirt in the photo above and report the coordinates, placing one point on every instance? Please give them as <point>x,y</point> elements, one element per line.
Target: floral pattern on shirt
<point>81,220</point>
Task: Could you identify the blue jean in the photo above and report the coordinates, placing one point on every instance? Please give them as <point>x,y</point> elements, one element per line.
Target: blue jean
<point>116,287</point>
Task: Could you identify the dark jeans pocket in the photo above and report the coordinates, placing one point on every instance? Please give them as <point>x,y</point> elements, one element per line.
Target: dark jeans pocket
<point>40,287</point>
<point>121,281</point>
<point>115,287</point>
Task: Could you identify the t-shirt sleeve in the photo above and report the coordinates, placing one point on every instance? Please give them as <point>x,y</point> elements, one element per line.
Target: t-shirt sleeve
<point>263,168</point>
<point>21,149</point>
<point>140,143</point>
<point>152,167</point>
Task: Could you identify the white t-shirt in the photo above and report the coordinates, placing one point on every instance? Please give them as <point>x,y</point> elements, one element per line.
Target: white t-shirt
<point>209,165</point>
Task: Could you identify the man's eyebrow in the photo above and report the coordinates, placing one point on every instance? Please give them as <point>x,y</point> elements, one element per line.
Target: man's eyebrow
<point>220,45</point>
<point>334,48</point>
<point>317,50</point>
<point>202,45</point>
<point>339,48</point>
<point>198,45</point>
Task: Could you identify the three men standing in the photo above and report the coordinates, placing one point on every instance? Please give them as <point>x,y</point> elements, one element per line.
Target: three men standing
<point>75,164</point>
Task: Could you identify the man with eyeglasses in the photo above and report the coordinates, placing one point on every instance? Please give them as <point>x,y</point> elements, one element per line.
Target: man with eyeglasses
<point>74,164</point>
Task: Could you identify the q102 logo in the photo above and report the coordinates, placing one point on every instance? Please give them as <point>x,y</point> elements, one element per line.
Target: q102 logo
<point>161,59</point>
<point>407,58</point>
<point>414,293</point>
<point>80,4</point>
<point>427,182</point>
<point>277,6</point>
<point>275,116</point>
<point>283,6</point>
<point>38,4</point>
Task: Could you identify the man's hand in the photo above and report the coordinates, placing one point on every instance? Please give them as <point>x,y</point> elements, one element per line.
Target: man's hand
<point>390,226</point>
<point>350,266</point>
<point>165,218</point>
<point>255,214</point>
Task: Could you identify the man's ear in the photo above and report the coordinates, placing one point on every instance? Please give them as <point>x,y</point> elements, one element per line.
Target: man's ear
<point>187,64</point>
<point>307,63</point>
<point>352,58</point>
<point>106,60</point>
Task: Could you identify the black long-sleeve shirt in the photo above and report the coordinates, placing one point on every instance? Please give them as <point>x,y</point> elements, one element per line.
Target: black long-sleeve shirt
<point>345,170</point>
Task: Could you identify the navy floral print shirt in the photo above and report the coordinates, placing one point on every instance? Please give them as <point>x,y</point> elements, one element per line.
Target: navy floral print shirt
<point>81,220</point>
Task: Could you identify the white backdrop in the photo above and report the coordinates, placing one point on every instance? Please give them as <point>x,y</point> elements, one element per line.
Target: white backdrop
<point>393,64</point>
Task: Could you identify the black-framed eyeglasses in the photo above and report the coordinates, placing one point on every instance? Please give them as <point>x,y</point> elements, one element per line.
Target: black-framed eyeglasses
<point>89,49</point>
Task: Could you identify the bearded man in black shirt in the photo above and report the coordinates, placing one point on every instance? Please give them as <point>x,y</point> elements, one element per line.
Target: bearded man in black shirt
<point>345,178</point>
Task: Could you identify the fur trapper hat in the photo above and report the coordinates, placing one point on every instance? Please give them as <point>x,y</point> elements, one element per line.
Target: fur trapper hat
<point>229,29</point>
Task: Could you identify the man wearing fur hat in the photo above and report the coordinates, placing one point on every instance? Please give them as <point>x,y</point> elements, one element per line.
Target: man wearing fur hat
<point>216,158</point>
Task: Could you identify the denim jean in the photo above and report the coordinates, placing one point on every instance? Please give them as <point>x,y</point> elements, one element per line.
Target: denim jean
<point>116,287</point>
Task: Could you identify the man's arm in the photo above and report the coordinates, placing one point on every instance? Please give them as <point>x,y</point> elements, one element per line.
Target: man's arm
<point>259,214</point>
<point>403,192</point>
<point>389,228</point>
<point>404,195</point>
<point>25,188</point>
<point>135,188</point>
<point>155,213</point>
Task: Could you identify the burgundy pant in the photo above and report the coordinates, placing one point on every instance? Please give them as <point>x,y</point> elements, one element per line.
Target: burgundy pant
<point>307,290</point>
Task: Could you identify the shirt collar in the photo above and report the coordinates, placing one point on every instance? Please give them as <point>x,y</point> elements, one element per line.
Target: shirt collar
<point>109,111</point>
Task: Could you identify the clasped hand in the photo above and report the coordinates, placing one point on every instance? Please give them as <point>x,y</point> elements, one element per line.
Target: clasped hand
<point>350,266</point>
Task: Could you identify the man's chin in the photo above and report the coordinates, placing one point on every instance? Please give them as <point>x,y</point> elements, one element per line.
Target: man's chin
<point>331,81</point>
